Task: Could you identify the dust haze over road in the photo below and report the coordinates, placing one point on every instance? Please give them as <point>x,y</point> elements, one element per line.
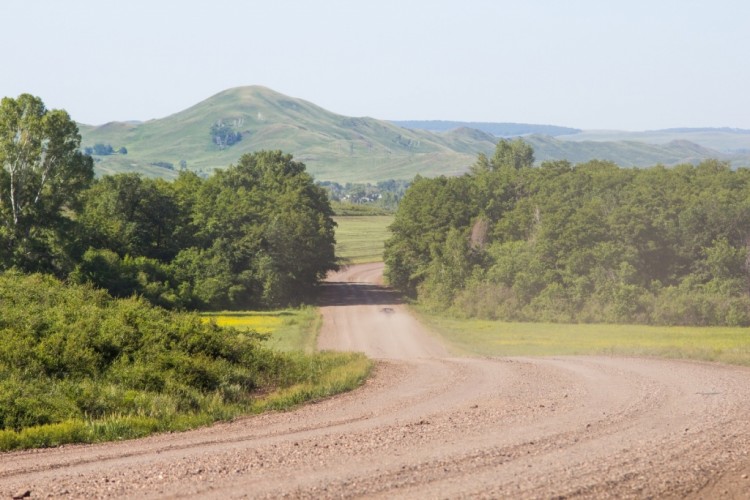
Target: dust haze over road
<point>429,425</point>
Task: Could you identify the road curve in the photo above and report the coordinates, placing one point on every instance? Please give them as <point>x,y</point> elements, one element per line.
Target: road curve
<point>428,425</point>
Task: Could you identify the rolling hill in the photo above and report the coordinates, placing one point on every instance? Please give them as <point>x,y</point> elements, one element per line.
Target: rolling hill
<point>334,147</point>
<point>217,131</point>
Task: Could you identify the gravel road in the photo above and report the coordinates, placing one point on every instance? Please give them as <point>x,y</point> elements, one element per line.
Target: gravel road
<point>428,425</point>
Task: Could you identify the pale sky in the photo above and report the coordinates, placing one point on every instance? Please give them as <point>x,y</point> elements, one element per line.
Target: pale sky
<point>592,64</point>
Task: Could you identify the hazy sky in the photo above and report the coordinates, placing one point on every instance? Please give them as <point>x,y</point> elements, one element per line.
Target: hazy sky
<point>620,64</point>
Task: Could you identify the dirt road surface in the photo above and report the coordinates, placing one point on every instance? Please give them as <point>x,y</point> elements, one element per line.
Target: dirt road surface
<point>428,425</point>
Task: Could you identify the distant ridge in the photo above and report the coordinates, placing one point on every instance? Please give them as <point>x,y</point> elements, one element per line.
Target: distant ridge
<point>728,130</point>
<point>623,153</point>
<point>214,133</point>
<point>500,129</point>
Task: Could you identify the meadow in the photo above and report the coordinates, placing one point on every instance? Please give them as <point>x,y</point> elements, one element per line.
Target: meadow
<point>286,330</point>
<point>496,338</point>
<point>360,239</point>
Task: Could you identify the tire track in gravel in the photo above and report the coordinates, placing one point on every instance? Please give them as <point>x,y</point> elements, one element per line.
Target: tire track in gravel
<point>429,425</point>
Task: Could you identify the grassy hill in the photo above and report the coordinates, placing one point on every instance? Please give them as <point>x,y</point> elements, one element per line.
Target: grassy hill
<point>334,147</point>
<point>346,149</point>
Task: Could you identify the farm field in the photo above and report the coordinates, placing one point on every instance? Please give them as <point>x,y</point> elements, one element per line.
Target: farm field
<point>360,239</point>
<point>496,338</point>
<point>287,329</point>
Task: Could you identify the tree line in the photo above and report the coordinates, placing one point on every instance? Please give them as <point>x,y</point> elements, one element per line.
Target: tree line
<point>577,243</point>
<point>257,234</point>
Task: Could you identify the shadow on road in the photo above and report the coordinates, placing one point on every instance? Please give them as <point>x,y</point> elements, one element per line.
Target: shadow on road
<point>355,294</point>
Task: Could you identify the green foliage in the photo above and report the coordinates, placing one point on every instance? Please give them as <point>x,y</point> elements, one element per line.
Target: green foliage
<point>78,365</point>
<point>426,214</point>
<point>345,209</point>
<point>131,216</point>
<point>103,149</point>
<point>74,351</point>
<point>584,243</point>
<point>127,276</point>
<point>258,234</point>
<point>42,173</point>
<point>265,234</point>
<point>224,135</point>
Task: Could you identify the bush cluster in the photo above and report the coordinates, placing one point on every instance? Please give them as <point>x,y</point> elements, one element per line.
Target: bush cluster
<point>72,352</point>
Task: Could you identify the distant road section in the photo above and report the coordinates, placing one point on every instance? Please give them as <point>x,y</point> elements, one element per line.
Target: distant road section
<point>428,425</point>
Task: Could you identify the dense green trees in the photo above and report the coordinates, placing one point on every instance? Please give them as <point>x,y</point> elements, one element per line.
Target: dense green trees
<point>132,216</point>
<point>257,234</point>
<point>591,242</point>
<point>264,234</point>
<point>42,174</point>
<point>224,135</point>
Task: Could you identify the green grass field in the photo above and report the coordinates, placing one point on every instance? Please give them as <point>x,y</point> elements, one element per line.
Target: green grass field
<point>495,338</point>
<point>361,239</point>
<point>287,330</point>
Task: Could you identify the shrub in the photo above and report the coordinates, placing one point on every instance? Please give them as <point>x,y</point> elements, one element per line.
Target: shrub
<point>77,365</point>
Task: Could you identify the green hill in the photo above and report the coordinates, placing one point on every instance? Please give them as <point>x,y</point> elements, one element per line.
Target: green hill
<point>216,132</point>
<point>334,147</point>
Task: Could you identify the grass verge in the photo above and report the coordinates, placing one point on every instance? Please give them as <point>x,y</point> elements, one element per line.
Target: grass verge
<point>325,374</point>
<point>496,338</point>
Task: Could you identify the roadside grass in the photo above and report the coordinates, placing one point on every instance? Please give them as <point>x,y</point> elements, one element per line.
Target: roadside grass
<point>361,239</point>
<point>495,338</point>
<point>313,377</point>
<point>287,330</point>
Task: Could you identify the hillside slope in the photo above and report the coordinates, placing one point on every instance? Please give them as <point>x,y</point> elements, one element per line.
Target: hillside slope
<point>623,153</point>
<point>336,147</point>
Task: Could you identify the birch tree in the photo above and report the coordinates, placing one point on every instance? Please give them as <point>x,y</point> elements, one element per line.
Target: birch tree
<point>42,173</point>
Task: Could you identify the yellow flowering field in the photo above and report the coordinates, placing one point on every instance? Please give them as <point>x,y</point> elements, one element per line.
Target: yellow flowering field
<point>288,329</point>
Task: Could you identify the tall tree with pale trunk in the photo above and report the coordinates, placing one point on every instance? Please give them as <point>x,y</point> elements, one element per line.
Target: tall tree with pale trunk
<point>42,173</point>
